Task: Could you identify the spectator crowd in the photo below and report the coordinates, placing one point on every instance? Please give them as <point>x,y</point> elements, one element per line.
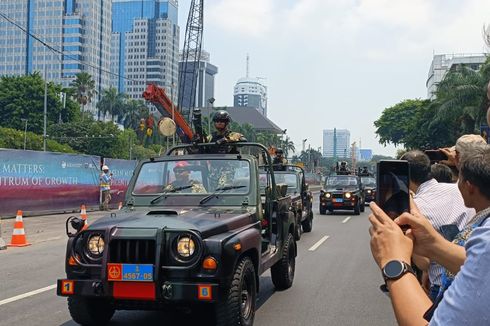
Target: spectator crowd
<point>437,269</point>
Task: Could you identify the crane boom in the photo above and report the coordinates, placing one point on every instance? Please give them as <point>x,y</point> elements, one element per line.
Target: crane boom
<point>164,105</point>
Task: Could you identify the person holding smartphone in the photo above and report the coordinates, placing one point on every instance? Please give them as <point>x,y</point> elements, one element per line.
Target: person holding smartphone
<point>441,203</point>
<point>466,300</point>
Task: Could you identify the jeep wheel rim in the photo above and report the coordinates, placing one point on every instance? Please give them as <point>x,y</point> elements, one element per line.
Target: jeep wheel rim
<point>246,304</point>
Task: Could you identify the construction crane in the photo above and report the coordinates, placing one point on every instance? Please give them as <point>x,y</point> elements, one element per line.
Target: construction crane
<point>191,57</point>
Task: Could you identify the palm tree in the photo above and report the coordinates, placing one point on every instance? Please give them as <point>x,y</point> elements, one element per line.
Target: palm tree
<point>288,146</point>
<point>134,111</point>
<point>461,97</point>
<point>112,102</point>
<point>83,89</point>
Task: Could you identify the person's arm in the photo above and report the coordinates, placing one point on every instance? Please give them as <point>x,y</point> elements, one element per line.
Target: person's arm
<point>448,254</point>
<point>389,243</point>
<point>421,262</point>
<point>409,300</point>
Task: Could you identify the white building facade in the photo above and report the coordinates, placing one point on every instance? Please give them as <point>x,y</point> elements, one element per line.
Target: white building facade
<point>336,143</point>
<point>251,93</point>
<point>442,63</point>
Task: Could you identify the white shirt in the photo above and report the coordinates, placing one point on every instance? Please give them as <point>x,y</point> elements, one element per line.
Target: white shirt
<point>442,204</point>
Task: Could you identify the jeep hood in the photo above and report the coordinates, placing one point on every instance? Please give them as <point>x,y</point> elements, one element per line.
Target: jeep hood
<point>206,221</point>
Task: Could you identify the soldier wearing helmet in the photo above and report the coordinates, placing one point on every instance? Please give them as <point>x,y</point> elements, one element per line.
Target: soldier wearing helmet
<point>279,162</point>
<point>221,120</point>
<point>183,183</point>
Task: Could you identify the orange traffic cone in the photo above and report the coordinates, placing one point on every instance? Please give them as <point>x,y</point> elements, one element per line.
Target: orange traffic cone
<point>120,205</point>
<point>83,216</point>
<point>18,235</point>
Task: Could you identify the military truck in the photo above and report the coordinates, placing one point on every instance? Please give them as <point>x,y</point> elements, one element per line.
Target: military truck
<point>193,233</point>
<point>301,196</point>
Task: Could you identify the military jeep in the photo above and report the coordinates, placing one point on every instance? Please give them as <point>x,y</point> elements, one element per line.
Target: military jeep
<point>301,196</point>
<point>199,246</point>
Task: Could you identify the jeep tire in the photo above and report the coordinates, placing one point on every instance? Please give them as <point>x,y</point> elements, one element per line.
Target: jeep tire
<point>323,211</point>
<point>307,224</point>
<point>357,208</point>
<point>238,306</point>
<point>90,311</point>
<point>363,207</point>
<point>282,272</point>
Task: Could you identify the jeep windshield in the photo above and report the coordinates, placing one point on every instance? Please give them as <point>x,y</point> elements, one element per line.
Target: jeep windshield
<point>192,178</point>
<point>340,182</point>
<point>291,179</point>
<point>368,181</point>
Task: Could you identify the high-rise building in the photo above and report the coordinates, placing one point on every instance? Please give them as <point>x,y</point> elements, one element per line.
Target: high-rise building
<point>204,84</point>
<point>80,29</point>
<point>336,143</point>
<point>365,154</point>
<point>251,93</point>
<point>145,44</point>
<point>442,63</point>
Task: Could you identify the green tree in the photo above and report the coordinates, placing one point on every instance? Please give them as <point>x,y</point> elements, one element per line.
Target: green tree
<point>112,103</point>
<point>398,122</point>
<point>83,89</point>
<point>22,97</point>
<point>14,139</point>
<point>135,111</point>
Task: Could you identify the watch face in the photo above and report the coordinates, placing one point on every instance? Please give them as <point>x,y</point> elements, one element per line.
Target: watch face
<point>393,269</point>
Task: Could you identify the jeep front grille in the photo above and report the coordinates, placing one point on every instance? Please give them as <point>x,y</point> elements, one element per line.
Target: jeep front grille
<point>132,251</point>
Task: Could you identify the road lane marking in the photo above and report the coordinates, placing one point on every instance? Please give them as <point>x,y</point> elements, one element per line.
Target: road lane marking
<point>346,219</point>
<point>28,294</point>
<point>319,243</point>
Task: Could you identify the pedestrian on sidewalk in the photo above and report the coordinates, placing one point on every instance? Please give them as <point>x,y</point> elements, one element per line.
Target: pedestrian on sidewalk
<point>105,187</point>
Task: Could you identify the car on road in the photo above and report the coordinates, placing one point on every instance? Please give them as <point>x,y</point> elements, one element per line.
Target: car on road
<point>193,234</point>
<point>301,197</point>
<point>342,192</point>
<point>369,184</point>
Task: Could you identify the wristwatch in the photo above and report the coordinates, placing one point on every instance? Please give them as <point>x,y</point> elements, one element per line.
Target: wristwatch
<point>395,269</point>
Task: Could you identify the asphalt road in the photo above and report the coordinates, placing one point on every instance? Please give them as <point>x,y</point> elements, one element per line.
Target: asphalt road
<point>336,282</point>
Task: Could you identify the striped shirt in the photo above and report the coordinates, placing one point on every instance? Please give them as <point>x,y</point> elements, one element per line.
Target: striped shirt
<point>442,204</point>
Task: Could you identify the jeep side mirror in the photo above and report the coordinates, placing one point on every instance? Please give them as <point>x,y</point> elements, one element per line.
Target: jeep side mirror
<point>76,223</point>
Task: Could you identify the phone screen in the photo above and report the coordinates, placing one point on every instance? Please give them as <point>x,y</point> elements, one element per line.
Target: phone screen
<point>392,193</point>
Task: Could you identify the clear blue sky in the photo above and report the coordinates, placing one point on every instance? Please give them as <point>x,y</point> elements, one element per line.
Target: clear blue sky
<point>331,63</point>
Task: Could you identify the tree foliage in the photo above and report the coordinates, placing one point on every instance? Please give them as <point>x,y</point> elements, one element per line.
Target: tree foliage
<point>22,97</point>
<point>459,108</point>
<point>11,138</point>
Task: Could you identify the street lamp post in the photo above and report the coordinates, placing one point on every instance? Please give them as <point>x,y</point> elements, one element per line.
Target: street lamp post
<point>211,103</point>
<point>25,132</point>
<point>45,101</point>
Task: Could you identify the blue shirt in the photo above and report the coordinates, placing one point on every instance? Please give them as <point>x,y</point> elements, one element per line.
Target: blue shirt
<point>466,300</point>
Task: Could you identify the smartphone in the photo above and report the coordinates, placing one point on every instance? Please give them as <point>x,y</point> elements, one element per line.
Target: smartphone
<point>392,191</point>
<point>435,155</point>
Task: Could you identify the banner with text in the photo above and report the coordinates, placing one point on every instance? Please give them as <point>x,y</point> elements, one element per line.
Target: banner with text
<point>47,182</point>
<point>122,171</point>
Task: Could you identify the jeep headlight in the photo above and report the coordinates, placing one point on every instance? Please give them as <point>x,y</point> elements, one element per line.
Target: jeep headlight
<point>95,245</point>
<point>328,195</point>
<point>348,195</point>
<point>369,191</point>
<point>186,246</point>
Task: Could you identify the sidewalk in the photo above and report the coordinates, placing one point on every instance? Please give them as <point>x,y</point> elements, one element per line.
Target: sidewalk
<point>45,227</point>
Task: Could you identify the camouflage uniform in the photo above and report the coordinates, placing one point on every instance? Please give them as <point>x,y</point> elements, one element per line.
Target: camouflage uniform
<point>197,187</point>
<point>228,136</point>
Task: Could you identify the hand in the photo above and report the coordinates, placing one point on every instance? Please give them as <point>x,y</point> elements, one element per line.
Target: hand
<point>421,230</point>
<point>451,157</point>
<point>387,239</point>
<point>221,141</point>
<point>110,174</point>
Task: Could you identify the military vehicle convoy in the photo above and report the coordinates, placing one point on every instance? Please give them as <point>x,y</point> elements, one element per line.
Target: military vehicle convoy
<point>196,231</point>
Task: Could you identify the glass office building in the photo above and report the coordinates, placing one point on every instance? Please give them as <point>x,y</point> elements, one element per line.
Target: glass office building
<point>145,44</point>
<point>80,29</point>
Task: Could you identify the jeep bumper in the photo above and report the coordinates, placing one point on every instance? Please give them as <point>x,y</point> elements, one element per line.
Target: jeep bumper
<point>168,292</point>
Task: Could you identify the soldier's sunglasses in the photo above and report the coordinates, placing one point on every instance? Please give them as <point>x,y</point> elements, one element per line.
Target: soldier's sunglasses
<point>221,121</point>
<point>180,171</point>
